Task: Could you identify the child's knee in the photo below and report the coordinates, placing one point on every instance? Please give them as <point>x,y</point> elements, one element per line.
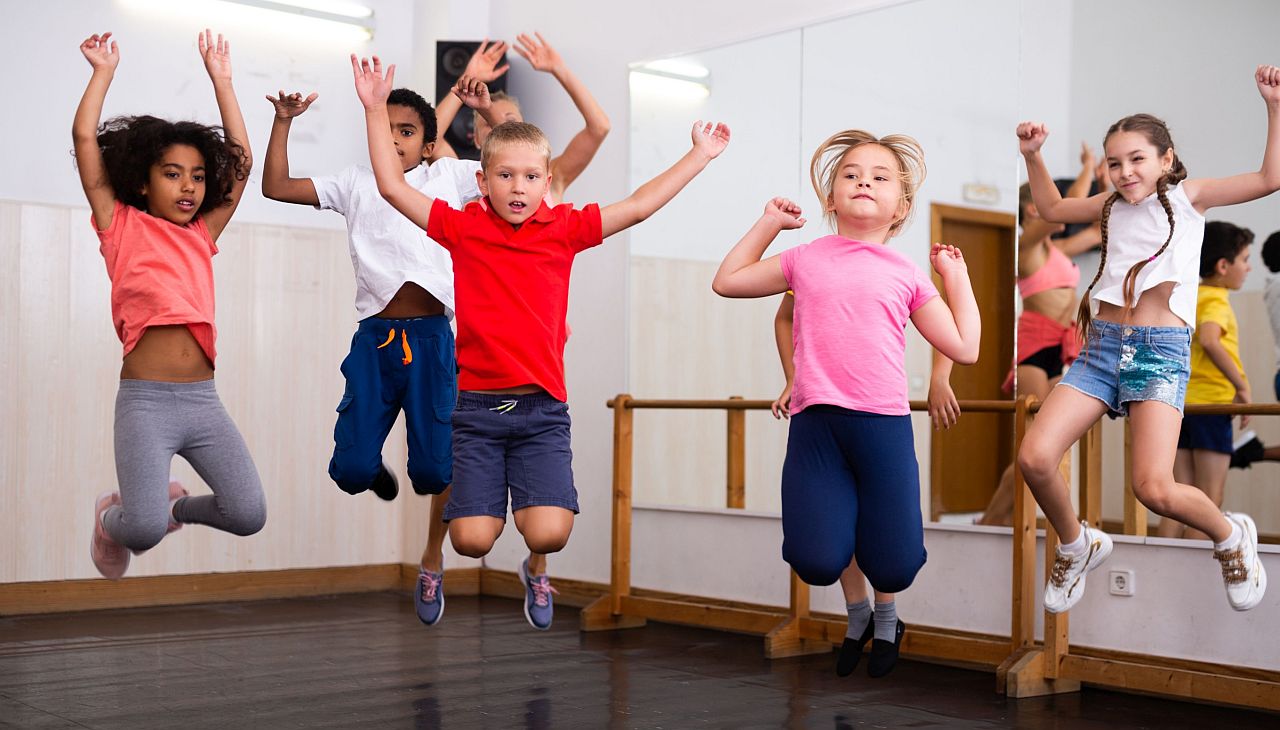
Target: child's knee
<point>145,534</point>
<point>817,569</point>
<point>1037,462</point>
<point>545,529</point>
<point>546,541</point>
<point>247,517</point>
<point>472,540</point>
<point>352,471</point>
<point>433,478</point>
<point>894,576</point>
<point>1156,492</point>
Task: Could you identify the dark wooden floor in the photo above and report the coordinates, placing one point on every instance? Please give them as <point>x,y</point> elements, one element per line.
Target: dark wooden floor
<point>365,661</point>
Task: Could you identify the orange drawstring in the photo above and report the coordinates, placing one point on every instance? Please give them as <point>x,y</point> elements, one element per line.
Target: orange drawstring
<point>404,343</point>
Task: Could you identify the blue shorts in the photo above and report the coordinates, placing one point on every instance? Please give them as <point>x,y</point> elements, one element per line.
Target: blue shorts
<point>510,443</point>
<point>1126,363</point>
<point>397,364</point>
<point>1210,433</point>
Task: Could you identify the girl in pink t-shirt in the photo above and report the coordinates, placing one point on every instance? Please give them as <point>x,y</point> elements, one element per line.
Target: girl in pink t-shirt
<point>161,193</point>
<point>850,482</point>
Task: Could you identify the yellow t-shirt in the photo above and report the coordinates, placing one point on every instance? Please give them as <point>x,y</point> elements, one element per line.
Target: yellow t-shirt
<point>1207,383</point>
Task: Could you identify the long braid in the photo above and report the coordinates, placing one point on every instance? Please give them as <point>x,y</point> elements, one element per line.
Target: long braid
<point>1084,316</point>
<point>1131,278</point>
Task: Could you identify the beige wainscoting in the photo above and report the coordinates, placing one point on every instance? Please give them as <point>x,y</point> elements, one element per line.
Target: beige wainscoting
<point>285,319</point>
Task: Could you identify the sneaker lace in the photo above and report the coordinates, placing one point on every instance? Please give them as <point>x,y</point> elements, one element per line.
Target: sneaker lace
<point>1233,568</point>
<point>430,584</point>
<point>1061,566</point>
<point>542,591</point>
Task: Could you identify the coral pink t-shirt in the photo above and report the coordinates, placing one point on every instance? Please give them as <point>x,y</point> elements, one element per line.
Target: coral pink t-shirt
<point>853,300</point>
<point>161,273</point>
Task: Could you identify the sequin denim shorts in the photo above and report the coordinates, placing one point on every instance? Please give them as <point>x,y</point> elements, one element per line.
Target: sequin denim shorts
<point>1126,363</point>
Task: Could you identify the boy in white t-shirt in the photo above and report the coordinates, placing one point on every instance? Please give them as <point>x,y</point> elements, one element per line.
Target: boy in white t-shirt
<point>402,354</point>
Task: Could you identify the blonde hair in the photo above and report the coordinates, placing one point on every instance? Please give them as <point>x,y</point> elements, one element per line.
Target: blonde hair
<point>513,133</point>
<point>826,165</point>
<point>496,97</point>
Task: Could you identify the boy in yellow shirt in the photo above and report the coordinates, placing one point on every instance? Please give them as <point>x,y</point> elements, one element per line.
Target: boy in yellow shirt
<point>1204,445</point>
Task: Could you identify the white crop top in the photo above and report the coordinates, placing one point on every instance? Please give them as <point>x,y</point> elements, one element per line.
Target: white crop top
<point>1136,232</point>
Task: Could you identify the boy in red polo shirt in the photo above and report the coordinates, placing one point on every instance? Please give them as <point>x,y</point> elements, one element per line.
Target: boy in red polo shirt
<point>511,262</point>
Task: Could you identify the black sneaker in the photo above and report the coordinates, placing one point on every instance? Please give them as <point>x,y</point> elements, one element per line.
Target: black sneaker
<point>851,650</point>
<point>385,484</point>
<point>884,654</point>
<point>1248,449</point>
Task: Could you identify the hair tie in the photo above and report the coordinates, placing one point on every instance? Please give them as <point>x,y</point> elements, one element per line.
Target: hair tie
<point>1153,258</point>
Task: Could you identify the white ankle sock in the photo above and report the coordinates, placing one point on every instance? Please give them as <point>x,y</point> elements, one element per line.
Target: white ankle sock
<point>1233,541</point>
<point>1076,547</point>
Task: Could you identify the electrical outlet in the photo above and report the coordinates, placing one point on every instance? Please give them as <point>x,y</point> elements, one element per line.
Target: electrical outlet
<point>1122,582</point>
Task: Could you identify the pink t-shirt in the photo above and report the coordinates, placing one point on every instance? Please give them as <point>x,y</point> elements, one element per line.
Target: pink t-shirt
<point>161,273</point>
<point>853,300</point>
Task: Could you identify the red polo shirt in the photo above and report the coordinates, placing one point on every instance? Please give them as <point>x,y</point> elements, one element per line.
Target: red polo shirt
<point>511,289</point>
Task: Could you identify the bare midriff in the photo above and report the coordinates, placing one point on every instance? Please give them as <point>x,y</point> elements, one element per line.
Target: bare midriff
<point>411,301</point>
<point>1152,309</point>
<point>167,353</point>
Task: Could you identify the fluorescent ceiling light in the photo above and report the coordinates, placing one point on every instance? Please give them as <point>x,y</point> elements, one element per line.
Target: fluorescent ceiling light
<point>673,74</point>
<point>352,21</point>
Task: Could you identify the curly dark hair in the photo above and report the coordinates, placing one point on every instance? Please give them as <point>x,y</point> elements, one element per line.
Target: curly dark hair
<point>132,144</point>
<point>1271,252</point>
<point>1222,240</point>
<point>414,100</point>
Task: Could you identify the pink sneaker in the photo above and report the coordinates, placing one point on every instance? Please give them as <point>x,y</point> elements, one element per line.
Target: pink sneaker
<point>109,557</point>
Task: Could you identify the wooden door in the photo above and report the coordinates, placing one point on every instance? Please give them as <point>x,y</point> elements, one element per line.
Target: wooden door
<point>967,460</point>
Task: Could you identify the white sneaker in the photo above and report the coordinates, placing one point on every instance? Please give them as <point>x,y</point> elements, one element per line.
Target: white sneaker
<point>1242,571</point>
<point>1066,580</point>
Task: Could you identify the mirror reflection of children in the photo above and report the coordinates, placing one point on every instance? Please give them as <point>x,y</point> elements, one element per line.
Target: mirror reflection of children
<point>162,193</point>
<point>850,478</point>
<point>1248,448</point>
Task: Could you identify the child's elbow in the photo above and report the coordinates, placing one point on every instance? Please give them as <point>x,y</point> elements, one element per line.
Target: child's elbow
<point>599,129</point>
<point>968,354</point>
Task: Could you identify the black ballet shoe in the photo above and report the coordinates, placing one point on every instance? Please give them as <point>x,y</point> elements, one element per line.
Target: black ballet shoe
<point>851,650</point>
<point>385,484</point>
<point>884,654</point>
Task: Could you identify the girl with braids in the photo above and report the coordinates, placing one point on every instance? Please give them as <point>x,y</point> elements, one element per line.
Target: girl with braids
<point>161,193</point>
<point>850,480</point>
<point>1137,352</point>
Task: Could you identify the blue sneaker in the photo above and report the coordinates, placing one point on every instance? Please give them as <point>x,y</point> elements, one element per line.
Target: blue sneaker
<point>538,606</point>
<point>428,596</point>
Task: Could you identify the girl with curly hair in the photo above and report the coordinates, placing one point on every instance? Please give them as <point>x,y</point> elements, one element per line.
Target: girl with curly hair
<point>161,193</point>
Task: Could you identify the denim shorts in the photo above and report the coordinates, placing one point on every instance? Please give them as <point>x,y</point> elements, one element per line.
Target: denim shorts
<point>1126,363</point>
<point>517,444</point>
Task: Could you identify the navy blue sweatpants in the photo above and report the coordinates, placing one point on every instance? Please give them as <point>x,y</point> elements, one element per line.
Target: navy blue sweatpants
<point>397,364</point>
<point>850,484</point>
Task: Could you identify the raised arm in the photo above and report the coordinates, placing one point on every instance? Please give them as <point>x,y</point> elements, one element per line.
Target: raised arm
<point>708,142</point>
<point>954,328</point>
<point>742,275</point>
<point>276,182</point>
<point>1209,193</point>
<point>373,89</point>
<point>482,65</point>
<point>783,335</point>
<point>217,61</point>
<point>103,56</point>
<point>1049,203</point>
<point>583,147</point>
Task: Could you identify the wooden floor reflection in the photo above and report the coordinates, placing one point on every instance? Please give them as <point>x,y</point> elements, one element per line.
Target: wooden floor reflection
<point>365,661</point>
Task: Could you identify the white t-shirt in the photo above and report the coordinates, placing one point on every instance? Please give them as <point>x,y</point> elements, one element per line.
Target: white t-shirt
<point>387,249</point>
<point>1136,232</point>
<point>1271,295</point>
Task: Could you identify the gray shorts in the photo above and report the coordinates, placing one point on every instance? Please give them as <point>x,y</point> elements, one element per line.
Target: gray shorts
<point>510,443</point>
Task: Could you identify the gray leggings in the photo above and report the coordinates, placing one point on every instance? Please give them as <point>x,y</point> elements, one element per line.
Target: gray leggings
<point>156,420</point>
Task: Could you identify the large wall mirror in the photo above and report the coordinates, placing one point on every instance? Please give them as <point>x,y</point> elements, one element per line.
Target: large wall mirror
<point>1191,64</point>
<point>945,73</point>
